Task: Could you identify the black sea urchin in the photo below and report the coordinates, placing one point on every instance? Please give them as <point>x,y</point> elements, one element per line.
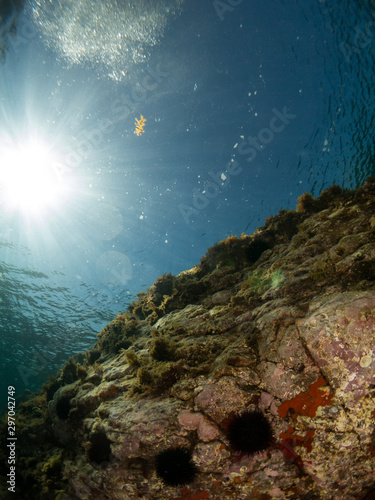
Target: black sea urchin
<point>175,466</point>
<point>249,432</point>
<point>99,449</point>
<point>63,407</point>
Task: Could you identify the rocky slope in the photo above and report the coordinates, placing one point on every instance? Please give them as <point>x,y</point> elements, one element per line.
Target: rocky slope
<point>282,322</point>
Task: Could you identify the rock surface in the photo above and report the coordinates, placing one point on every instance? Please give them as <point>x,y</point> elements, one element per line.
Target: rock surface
<point>282,321</point>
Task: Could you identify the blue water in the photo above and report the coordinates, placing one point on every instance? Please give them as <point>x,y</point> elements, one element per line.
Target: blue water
<point>248,105</point>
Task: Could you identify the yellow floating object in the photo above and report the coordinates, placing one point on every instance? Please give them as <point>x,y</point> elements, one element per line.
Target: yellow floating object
<point>139,124</point>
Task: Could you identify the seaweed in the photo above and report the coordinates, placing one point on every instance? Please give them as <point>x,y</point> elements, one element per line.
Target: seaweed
<point>323,269</point>
<point>162,349</point>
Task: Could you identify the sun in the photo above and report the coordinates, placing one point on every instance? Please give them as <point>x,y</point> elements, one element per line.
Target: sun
<point>28,181</point>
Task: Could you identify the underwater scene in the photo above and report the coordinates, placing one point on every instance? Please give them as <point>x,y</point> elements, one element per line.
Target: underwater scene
<point>187,249</point>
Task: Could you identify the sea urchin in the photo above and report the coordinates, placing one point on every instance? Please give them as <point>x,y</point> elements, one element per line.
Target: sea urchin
<point>175,466</point>
<point>249,432</point>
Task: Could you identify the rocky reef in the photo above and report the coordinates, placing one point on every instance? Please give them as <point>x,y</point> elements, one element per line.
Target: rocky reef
<point>273,332</point>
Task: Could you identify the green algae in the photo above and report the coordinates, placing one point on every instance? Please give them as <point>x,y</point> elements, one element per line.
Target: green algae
<point>323,269</point>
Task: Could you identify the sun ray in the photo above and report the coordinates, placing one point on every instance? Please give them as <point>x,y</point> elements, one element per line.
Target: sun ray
<point>28,182</point>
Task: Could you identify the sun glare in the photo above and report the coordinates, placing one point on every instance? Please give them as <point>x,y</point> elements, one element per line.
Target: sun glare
<point>28,182</point>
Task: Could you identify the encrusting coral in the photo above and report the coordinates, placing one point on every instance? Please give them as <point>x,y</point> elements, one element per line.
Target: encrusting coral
<point>278,327</point>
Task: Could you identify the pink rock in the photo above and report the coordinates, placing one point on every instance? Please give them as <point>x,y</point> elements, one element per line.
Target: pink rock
<point>189,419</point>
<point>218,399</point>
<point>207,431</point>
<point>265,400</point>
<point>340,337</point>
